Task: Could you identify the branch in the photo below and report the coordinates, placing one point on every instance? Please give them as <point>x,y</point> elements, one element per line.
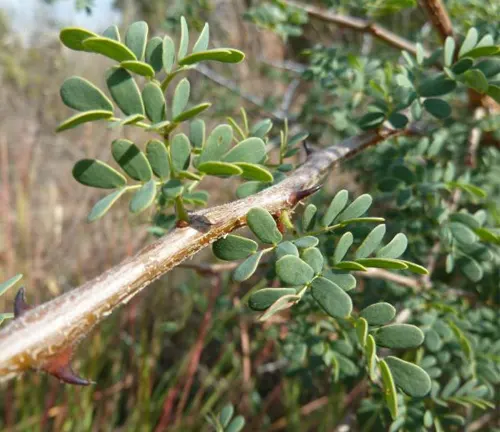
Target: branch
<point>359,25</point>
<point>39,337</point>
<point>439,17</point>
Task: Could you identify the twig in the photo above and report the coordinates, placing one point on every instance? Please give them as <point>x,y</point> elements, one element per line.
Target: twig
<point>287,65</point>
<point>39,336</point>
<point>393,277</point>
<point>210,268</point>
<point>357,24</point>
<point>482,421</point>
<point>439,17</point>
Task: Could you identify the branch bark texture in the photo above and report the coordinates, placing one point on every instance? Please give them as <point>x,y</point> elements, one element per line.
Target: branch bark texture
<point>36,339</point>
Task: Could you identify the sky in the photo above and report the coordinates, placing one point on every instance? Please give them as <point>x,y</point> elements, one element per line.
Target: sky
<point>27,16</point>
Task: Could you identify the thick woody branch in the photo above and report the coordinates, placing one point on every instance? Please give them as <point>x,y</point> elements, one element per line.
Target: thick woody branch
<point>357,24</point>
<point>439,17</point>
<point>37,338</point>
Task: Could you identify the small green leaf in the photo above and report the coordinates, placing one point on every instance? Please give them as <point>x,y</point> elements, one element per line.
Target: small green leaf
<point>389,389</point>
<point>449,51</point>
<point>286,248</point>
<point>112,32</point>
<point>157,155</point>
<point>470,268</point>
<point>494,92</point>
<point>168,57</point>
<point>138,67</point>
<point>95,173</point>
<point>4,286</point>
<point>218,143</point>
<point>306,242</point>
<point>223,55</point>
<point>451,387</point>
<point>469,42</point>
<point>263,226</point>
<point>343,246</point>
<point>154,102</point>
<point>136,38</point>
<point>262,299</point>
<point>378,313</point>
<point>409,377</point>
<point>371,120</point>
<point>143,198</point>
<point>261,128</point>
<point>399,336</point>
<point>192,112</point>
<point>82,95</point>
<point>415,268</point>
<point>84,117</point>
<point>489,67</point>
<point>154,53</point>
<point>398,120</point>
<point>433,341</point>
<point>197,133</point>
<point>294,271</point>
<point>219,169</point>
<point>284,302</point>
<point>361,331</point>
<point>462,65</point>
<point>233,248</point>
<point>395,248</point>
<point>172,189</point>
<point>436,86</point>
<point>371,242</point>
<point>255,172</point>
<point>332,299</point>
<point>108,48</point>
<point>131,119</point>
<point>250,150</point>
<point>181,97</point>
<point>73,37</point>
<point>247,267</point>
<point>357,208</point>
<point>386,263</point>
<point>226,414</point>
<point>371,356</point>
<point>476,80</point>
<point>102,206</point>
<point>124,91</point>
<point>309,217</point>
<point>314,258</point>
<point>336,206</point>
<point>184,40</point>
<point>131,159</point>
<point>180,149</point>
<point>346,281</point>
<point>437,107</point>
<point>202,43</point>
<point>350,265</point>
<point>462,233</point>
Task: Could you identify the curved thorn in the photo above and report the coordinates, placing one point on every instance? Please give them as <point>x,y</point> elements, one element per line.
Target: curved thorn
<point>20,305</point>
<point>298,196</point>
<point>307,148</point>
<point>68,376</point>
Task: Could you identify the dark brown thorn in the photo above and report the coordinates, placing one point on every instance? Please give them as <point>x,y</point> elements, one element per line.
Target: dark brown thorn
<point>20,305</point>
<point>298,196</point>
<point>60,367</point>
<point>307,148</point>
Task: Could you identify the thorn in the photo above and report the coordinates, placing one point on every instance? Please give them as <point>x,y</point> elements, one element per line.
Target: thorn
<point>298,196</point>
<point>60,367</point>
<point>307,148</point>
<point>20,305</point>
<point>182,223</point>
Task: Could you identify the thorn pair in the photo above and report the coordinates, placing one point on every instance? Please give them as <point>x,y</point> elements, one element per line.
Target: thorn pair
<point>59,365</point>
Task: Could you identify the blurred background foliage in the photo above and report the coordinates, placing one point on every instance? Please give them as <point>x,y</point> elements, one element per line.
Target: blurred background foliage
<point>189,345</point>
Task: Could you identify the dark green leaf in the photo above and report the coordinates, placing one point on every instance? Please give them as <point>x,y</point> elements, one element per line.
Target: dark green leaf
<point>398,120</point>
<point>471,268</point>
<point>357,208</point>
<point>476,80</point>
<point>437,107</point>
<point>378,313</point>
<point>82,95</point>
<point>233,247</point>
<point>371,120</point>
<point>131,159</point>
<point>84,117</point>
<point>410,378</point>
<point>172,189</point>
<point>314,258</point>
<point>306,242</point>
<point>286,248</point>
<point>332,299</point>
<point>462,65</point>
<point>192,112</point>
<point>224,55</point>
<point>136,38</point>
<point>197,133</point>
<point>436,86</point>
<point>95,173</point>
<point>154,102</point>
<point>181,97</point>
<point>336,206</point>
<point>342,247</point>
<point>433,341</point>
<point>371,242</point>
<point>462,233</point>
<point>168,57</point>
<point>293,271</point>
<point>399,336</point>
<point>345,281</point>
<point>180,149</point>
<point>263,226</point>
<point>309,217</point>
<point>144,197</point>
<point>250,150</point>
<point>108,48</point>
<point>262,299</point>
<point>395,248</point>
<point>218,143</point>
<point>154,53</point>
<point>102,206</point>
<point>489,67</point>
<point>157,155</point>
<point>124,91</point>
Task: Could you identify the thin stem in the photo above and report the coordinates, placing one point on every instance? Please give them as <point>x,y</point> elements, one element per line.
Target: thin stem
<point>343,224</point>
